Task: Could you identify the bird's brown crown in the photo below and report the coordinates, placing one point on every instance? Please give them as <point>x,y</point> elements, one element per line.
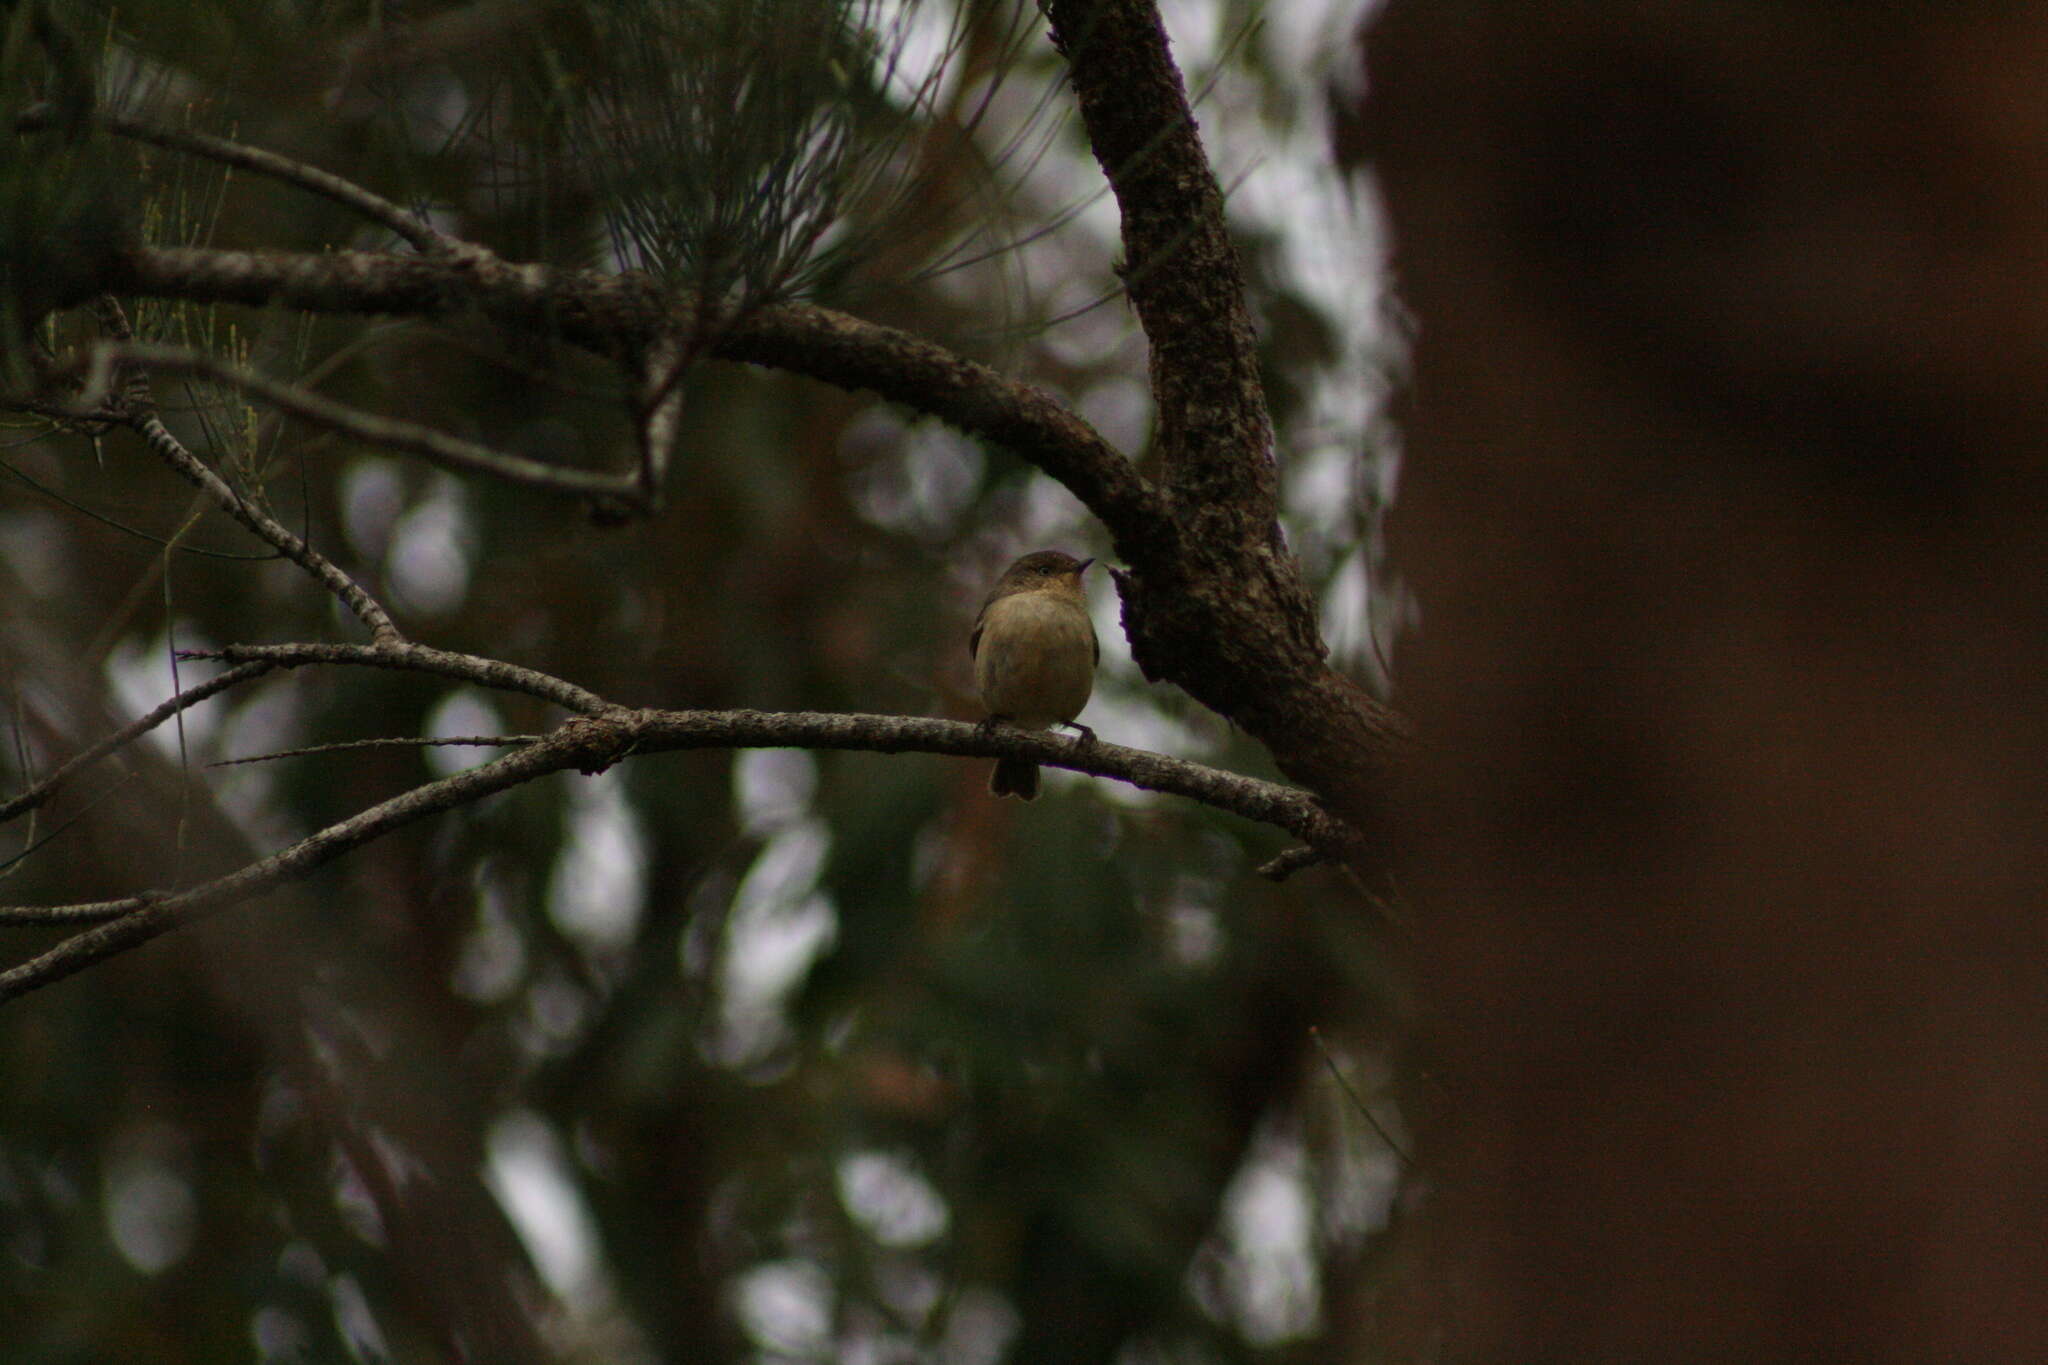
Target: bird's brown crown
<point>1038,568</point>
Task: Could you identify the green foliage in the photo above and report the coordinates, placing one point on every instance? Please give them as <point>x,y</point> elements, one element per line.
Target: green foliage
<point>726,136</point>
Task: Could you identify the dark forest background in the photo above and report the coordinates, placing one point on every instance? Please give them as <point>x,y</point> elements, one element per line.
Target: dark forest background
<point>1678,996</point>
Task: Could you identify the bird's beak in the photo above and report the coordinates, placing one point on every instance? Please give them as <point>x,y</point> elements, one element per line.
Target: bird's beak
<point>1082,567</point>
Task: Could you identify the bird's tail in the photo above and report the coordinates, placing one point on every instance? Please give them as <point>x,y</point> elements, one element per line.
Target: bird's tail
<point>1014,777</point>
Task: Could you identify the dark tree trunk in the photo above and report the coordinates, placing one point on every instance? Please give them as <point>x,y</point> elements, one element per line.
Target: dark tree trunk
<point>1727,508</point>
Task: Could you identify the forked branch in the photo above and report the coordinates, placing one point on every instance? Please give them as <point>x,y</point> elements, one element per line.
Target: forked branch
<point>592,741</point>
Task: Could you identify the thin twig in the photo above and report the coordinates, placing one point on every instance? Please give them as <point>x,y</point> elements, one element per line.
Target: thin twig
<point>40,794</point>
<point>35,844</point>
<point>138,409</point>
<point>408,225</point>
<point>324,571</point>
<point>388,742</point>
<point>435,447</point>
<point>1357,1102</point>
<point>111,524</point>
<point>415,658</point>
<point>137,919</point>
<point>1285,864</point>
<point>84,912</point>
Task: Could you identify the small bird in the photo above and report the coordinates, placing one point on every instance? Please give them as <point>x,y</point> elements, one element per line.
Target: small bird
<point>1034,654</point>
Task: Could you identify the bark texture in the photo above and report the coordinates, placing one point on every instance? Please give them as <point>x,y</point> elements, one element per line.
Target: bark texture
<point>1214,601</point>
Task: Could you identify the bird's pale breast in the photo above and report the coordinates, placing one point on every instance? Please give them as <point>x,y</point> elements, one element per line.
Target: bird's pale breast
<point>1036,661</point>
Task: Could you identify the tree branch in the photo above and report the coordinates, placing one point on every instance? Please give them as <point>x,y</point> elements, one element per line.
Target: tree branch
<point>1213,600</point>
<point>1180,267</point>
<point>414,658</point>
<point>1290,808</point>
<point>1219,607</point>
<point>266,527</point>
<point>920,374</point>
<point>591,743</point>
<point>131,399</point>
<point>655,731</point>
<point>619,316</point>
<point>41,792</point>
<point>407,225</point>
<point>435,447</point>
<point>341,746</point>
<point>142,918</point>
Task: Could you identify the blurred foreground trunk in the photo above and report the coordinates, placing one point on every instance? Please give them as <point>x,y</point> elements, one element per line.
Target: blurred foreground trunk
<point>1726,504</point>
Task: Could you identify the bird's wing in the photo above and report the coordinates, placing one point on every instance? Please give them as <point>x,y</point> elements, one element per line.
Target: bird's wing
<point>980,620</point>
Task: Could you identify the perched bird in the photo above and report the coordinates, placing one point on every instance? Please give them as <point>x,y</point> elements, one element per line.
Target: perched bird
<point>1034,654</point>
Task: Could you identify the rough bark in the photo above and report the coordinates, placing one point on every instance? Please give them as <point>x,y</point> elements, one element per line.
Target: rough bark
<point>1216,604</point>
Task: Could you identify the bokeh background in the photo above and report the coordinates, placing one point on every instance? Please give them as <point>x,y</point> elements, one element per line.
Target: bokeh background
<point>761,1056</point>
